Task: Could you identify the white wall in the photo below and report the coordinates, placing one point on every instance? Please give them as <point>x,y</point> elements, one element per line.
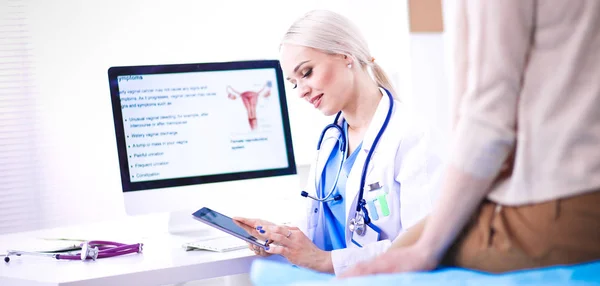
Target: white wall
<point>75,42</point>
<point>429,79</point>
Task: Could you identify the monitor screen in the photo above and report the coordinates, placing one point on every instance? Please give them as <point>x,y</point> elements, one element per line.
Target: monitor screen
<point>200,123</point>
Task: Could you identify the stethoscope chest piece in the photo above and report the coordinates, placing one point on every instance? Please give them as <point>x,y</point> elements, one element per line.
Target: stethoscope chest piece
<point>88,251</point>
<point>357,224</point>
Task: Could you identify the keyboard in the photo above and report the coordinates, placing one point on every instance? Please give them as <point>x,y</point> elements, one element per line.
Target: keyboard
<point>218,244</point>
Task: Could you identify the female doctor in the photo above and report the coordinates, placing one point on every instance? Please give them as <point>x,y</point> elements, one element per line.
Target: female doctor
<point>328,62</point>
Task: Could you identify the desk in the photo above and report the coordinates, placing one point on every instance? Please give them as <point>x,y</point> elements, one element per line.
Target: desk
<point>163,261</point>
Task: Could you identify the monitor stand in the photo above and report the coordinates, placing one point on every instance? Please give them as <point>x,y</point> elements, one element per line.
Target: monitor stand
<point>182,223</point>
<point>273,199</point>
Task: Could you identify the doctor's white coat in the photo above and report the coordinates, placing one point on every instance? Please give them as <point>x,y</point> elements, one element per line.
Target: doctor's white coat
<point>406,161</point>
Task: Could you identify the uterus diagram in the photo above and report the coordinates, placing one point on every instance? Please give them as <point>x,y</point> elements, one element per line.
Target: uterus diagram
<point>250,98</point>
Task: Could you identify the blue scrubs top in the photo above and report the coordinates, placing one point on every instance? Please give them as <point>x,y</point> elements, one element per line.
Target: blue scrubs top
<point>334,212</point>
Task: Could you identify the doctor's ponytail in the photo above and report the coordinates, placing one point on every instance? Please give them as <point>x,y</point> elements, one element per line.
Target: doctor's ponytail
<point>382,79</point>
<point>333,33</point>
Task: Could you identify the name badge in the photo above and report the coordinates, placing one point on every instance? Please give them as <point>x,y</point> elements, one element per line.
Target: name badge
<point>373,186</point>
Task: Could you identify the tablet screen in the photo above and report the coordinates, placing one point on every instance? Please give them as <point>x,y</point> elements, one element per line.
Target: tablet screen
<point>225,223</point>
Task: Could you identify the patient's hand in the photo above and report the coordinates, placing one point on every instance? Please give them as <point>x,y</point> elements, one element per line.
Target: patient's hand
<point>405,259</point>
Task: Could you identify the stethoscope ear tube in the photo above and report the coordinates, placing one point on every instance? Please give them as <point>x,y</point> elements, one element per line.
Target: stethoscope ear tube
<point>360,206</point>
<point>336,126</point>
<point>342,140</point>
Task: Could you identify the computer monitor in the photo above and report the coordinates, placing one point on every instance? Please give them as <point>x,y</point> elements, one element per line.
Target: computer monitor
<point>207,134</point>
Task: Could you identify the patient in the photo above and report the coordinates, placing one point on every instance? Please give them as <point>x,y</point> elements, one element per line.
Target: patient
<point>522,188</point>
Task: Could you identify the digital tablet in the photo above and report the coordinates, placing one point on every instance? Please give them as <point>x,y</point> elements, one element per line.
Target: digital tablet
<point>226,224</point>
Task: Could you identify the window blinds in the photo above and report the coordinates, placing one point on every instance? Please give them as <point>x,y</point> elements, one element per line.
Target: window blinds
<point>18,152</point>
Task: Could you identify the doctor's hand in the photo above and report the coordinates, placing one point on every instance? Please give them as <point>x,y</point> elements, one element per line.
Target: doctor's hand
<point>297,248</point>
<point>253,227</point>
<point>405,259</point>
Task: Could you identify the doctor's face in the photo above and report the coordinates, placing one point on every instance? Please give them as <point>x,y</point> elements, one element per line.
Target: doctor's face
<point>323,80</point>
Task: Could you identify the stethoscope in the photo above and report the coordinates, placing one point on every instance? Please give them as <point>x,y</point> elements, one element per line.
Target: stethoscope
<point>361,217</point>
<point>89,250</point>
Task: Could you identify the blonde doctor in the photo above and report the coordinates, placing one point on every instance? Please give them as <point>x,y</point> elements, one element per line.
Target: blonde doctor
<point>374,144</point>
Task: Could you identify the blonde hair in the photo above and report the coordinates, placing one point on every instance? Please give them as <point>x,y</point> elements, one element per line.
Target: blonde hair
<point>334,34</point>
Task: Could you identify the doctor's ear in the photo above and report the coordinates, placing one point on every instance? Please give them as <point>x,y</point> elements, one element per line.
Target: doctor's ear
<point>348,60</point>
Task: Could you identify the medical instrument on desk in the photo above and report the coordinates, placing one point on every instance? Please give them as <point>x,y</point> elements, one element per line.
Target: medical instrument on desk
<point>361,217</point>
<point>89,250</point>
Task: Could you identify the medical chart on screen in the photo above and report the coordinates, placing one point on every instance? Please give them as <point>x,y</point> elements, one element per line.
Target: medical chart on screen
<point>201,123</point>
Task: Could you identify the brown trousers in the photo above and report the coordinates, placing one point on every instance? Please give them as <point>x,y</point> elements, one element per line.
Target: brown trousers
<point>504,238</point>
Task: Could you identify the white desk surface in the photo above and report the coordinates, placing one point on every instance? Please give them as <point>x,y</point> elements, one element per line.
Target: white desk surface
<point>163,260</point>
